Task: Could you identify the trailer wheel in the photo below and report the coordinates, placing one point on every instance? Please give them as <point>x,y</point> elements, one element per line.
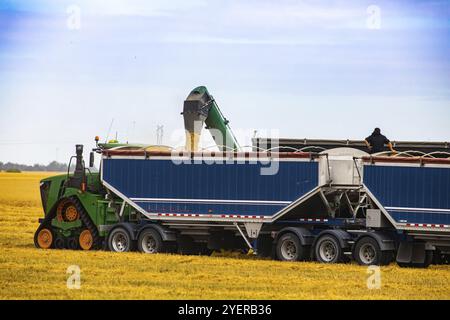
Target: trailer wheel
<point>367,252</point>
<point>328,250</point>
<point>119,240</point>
<point>150,241</point>
<point>289,248</point>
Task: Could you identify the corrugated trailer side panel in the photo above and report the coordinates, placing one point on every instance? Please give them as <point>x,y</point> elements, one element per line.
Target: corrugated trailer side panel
<point>411,195</point>
<point>160,186</point>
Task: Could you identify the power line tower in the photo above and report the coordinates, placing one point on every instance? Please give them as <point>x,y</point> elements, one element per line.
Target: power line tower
<point>159,134</point>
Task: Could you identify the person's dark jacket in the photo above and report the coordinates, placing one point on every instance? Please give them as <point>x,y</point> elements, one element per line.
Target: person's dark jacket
<point>377,141</point>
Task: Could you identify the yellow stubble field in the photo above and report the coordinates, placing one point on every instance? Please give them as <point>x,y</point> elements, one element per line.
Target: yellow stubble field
<point>30,273</point>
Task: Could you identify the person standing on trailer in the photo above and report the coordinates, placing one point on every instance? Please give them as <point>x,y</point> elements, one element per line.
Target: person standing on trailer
<point>376,142</point>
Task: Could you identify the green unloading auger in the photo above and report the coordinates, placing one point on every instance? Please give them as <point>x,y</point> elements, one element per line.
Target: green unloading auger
<point>201,108</point>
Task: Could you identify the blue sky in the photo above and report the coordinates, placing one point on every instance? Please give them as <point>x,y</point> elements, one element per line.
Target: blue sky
<point>311,69</point>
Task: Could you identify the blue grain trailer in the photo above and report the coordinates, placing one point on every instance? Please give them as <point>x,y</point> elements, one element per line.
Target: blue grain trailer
<point>330,207</point>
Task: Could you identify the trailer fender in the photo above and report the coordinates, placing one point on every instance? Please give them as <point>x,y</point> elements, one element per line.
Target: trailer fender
<point>385,242</point>
<point>166,234</point>
<point>342,236</point>
<point>305,236</point>
<point>131,228</point>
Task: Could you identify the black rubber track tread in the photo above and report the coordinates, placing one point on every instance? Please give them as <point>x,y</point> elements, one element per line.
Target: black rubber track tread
<point>87,222</point>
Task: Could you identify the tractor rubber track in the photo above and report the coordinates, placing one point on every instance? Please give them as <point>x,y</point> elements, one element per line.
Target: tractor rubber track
<point>87,222</point>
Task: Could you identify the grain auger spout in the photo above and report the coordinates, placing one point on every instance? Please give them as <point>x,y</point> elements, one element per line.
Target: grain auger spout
<point>200,108</point>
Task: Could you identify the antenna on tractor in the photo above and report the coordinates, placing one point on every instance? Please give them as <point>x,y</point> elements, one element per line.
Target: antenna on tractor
<point>109,130</point>
<point>132,129</point>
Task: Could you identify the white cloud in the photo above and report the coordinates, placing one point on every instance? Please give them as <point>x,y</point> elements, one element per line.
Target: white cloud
<point>296,13</point>
<point>189,39</point>
<point>139,7</point>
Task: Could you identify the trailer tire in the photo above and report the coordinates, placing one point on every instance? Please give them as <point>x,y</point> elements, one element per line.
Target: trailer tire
<point>289,248</point>
<point>150,241</point>
<point>119,240</point>
<point>367,252</point>
<point>328,250</point>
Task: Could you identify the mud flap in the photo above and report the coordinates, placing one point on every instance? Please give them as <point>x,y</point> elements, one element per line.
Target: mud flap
<point>409,252</point>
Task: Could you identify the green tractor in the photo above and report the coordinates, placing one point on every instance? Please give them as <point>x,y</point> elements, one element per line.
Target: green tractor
<point>79,211</point>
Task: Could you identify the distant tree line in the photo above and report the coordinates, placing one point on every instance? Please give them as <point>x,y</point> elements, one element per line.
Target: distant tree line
<point>52,166</point>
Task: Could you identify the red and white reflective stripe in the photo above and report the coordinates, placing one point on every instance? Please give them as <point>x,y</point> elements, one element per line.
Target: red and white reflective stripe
<point>243,217</point>
<point>314,220</point>
<point>188,215</point>
<point>424,225</point>
<point>177,215</point>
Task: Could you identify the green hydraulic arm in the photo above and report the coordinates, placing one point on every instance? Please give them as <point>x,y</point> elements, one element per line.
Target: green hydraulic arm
<point>201,108</point>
